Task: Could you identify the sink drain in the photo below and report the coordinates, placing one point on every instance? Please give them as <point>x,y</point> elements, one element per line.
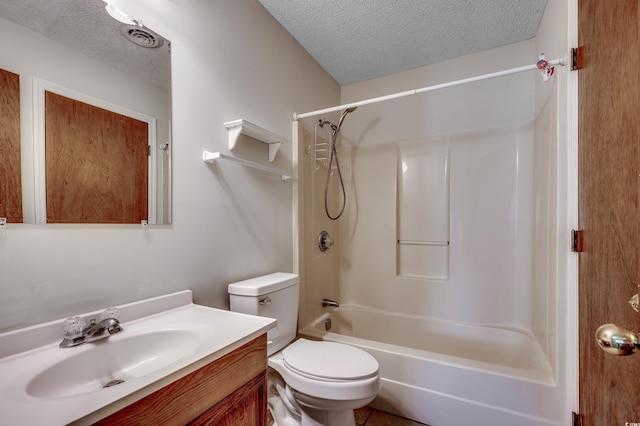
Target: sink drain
<point>113,383</point>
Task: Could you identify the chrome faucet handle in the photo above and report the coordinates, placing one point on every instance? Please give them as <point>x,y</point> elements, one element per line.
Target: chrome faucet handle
<point>73,332</point>
<point>110,317</point>
<point>73,327</point>
<point>110,313</point>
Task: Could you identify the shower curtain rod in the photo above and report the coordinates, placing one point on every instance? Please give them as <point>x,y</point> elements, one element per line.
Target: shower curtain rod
<point>297,116</point>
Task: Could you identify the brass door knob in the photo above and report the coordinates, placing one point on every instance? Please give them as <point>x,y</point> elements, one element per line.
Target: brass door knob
<point>617,340</point>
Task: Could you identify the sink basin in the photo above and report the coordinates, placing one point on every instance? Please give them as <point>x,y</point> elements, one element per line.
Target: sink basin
<point>101,365</point>
<point>163,340</point>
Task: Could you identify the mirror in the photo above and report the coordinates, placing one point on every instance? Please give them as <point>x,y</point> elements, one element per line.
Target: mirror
<point>73,48</point>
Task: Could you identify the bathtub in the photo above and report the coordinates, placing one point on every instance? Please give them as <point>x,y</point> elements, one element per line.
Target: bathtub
<point>445,373</point>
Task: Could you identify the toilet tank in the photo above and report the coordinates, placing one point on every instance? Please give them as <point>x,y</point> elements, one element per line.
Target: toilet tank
<point>273,296</point>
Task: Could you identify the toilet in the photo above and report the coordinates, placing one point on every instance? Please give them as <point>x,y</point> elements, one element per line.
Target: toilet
<point>310,383</point>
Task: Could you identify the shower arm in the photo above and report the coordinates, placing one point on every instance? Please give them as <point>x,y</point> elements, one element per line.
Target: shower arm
<point>322,123</point>
<point>334,128</point>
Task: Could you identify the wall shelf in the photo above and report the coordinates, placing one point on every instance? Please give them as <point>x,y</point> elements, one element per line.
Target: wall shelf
<point>244,127</point>
<point>211,157</point>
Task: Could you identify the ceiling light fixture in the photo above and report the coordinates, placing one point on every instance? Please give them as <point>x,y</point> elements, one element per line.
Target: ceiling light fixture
<point>118,15</point>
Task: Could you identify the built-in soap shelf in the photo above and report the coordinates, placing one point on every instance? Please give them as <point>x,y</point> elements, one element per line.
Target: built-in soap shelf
<point>244,127</point>
<point>211,157</point>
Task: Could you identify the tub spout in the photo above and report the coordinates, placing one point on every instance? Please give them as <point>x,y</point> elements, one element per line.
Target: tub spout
<point>327,302</point>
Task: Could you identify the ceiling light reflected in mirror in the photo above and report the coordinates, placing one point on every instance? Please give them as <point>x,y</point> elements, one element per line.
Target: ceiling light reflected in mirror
<point>120,16</point>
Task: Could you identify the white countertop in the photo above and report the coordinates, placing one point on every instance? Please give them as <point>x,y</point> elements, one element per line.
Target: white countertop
<point>217,332</point>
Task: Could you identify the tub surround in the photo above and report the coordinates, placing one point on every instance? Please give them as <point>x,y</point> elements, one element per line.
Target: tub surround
<point>28,353</point>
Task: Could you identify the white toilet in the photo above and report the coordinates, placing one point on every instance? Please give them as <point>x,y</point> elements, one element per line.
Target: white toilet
<point>310,382</point>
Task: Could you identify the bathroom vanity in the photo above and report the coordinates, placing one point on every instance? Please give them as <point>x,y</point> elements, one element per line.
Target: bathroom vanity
<point>229,391</point>
<point>173,363</point>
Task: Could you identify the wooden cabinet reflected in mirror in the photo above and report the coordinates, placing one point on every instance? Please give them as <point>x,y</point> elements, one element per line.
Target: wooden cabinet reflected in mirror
<point>96,164</point>
<point>10,180</point>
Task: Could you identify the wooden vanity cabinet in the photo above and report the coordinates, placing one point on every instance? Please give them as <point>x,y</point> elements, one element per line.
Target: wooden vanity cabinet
<point>231,390</point>
<point>246,406</point>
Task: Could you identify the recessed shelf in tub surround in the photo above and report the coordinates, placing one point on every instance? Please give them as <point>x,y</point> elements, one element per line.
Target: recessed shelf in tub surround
<point>244,127</point>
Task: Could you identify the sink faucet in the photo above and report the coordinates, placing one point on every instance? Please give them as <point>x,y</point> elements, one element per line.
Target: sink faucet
<point>97,331</point>
<point>76,332</point>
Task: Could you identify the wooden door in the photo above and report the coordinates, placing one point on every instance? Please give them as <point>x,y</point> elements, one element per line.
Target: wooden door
<point>96,164</point>
<point>609,210</point>
<point>10,170</point>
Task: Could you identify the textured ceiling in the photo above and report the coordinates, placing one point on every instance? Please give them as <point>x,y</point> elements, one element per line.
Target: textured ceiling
<point>356,40</point>
<point>353,40</point>
<point>84,25</point>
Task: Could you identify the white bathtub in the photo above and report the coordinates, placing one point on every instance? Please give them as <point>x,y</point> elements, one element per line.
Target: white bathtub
<point>445,373</point>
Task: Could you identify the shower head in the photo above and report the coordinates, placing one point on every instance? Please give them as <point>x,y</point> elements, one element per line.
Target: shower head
<point>334,157</point>
<point>344,114</point>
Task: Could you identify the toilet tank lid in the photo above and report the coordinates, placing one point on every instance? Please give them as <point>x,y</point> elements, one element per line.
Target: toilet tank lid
<point>263,284</point>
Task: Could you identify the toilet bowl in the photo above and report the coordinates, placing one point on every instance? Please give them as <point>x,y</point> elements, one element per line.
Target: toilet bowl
<point>310,383</point>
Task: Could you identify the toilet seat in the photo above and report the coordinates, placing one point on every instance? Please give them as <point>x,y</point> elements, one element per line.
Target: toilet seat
<point>305,370</point>
<point>329,361</point>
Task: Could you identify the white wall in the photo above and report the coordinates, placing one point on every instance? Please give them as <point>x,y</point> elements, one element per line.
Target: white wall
<point>230,60</point>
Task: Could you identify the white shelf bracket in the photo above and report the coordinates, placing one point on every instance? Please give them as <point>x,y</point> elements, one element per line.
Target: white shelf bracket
<point>244,127</point>
<point>211,157</point>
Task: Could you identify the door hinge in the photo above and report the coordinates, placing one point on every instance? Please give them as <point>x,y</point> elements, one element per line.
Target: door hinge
<point>576,240</point>
<point>149,150</point>
<point>576,58</point>
<point>576,419</point>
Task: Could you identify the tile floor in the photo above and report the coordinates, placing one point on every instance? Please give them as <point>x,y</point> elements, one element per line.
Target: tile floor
<point>367,416</point>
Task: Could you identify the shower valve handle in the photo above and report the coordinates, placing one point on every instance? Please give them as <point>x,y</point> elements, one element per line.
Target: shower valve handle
<point>324,241</point>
